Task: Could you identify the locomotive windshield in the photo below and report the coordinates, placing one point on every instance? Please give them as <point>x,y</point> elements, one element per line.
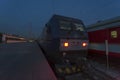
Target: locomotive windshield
<point>71,29</point>
<point>78,27</point>
<point>65,25</point>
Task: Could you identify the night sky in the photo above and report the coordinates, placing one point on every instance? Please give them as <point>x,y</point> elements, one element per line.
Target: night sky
<point>26,17</point>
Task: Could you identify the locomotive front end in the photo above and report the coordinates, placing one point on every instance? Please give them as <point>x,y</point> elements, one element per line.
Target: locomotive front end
<point>73,40</point>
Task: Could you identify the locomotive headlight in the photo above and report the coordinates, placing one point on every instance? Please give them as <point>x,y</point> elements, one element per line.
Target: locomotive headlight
<point>84,44</point>
<point>66,44</point>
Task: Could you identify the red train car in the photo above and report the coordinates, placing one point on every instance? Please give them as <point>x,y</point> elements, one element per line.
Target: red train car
<point>104,38</point>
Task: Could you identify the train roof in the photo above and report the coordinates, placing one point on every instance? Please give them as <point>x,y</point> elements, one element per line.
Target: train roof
<point>60,17</point>
<point>113,22</point>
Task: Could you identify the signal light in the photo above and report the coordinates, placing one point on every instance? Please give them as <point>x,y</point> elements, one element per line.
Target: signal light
<point>84,44</point>
<point>66,44</point>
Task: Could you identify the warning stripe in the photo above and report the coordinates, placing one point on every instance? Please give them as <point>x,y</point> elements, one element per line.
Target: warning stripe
<point>101,47</point>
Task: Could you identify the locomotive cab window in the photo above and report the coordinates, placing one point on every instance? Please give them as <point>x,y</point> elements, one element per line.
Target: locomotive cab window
<point>78,27</point>
<point>64,25</point>
<point>48,29</point>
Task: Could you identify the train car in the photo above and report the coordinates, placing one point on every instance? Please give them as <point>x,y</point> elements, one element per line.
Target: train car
<point>64,39</point>
<point>14,39</point>
<point>7,38</point>
<point>104,39</point>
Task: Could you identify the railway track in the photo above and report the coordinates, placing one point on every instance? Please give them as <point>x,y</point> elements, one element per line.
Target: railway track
<point>86,72</point>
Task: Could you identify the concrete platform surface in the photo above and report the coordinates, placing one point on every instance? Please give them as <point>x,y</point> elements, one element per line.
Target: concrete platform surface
<point>24,61</point>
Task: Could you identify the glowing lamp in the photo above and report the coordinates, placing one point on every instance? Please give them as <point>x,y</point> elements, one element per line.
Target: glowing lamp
<point>66,44</point>
<point>84,44</point>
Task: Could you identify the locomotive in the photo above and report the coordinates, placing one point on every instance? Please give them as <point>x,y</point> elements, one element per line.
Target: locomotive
<point>64,39</point>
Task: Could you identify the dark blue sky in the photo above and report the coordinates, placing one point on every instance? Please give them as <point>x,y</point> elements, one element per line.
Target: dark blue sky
<point>22,16</point>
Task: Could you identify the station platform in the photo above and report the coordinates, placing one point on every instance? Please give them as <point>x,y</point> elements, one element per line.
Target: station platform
<point>24,61</point>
